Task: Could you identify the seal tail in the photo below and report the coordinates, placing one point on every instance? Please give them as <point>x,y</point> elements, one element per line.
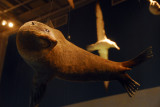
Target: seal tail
<point>129,84</point>
<point>143,56</point>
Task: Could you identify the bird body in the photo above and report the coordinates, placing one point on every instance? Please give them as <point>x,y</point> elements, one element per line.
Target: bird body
<point>103,44</point>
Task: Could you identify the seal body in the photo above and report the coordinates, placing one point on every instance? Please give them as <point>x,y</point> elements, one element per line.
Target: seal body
<point>51,52</point>
<point>47,51</point>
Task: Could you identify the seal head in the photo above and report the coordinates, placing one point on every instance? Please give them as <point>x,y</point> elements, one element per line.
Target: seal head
<point>35,40</point>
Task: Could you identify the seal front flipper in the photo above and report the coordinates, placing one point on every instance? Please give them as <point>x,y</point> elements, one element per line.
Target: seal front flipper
<point>38,90</point>
<point>129,84</point>
<point>37,94</point>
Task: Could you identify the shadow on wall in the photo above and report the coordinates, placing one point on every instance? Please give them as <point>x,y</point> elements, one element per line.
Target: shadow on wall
<point>144,98</point>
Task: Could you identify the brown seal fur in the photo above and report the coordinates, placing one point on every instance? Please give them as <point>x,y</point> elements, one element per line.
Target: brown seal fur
<point>47,51</point>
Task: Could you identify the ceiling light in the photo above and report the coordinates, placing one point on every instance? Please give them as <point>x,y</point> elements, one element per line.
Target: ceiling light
<point>10,24</point>
<point>4,22</point>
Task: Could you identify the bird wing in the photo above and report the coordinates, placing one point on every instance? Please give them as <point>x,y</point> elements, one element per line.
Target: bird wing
<point>100,23</point>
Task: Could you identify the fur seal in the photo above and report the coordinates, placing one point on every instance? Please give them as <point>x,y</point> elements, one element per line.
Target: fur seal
<point>50,55</point>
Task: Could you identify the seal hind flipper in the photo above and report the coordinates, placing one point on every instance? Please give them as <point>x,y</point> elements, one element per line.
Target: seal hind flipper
<point>129,84</point>
<point>145,55</point>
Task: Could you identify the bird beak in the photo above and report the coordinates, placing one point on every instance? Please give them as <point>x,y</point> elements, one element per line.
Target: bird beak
<point>116,46</point>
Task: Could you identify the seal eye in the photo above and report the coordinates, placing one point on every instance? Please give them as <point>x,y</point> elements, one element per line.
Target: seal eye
<point>46,30</point>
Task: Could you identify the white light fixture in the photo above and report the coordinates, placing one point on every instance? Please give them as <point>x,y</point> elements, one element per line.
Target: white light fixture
<point>10,24</point>
<point>4,22</point>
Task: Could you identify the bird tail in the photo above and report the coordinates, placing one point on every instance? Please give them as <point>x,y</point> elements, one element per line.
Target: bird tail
<point>143,56</point>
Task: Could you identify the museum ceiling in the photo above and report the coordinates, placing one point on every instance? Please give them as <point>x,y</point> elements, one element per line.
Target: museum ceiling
<point>16,12</point>
<point>20,11</point>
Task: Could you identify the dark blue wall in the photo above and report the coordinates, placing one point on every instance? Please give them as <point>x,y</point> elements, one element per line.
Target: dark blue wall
<point>130,24</point>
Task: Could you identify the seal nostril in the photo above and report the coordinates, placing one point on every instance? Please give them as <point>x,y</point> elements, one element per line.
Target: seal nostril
<point>32,23</point>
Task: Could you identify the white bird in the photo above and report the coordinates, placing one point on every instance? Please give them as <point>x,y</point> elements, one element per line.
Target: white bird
<point>103,44</point>
<point>154,7</point>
